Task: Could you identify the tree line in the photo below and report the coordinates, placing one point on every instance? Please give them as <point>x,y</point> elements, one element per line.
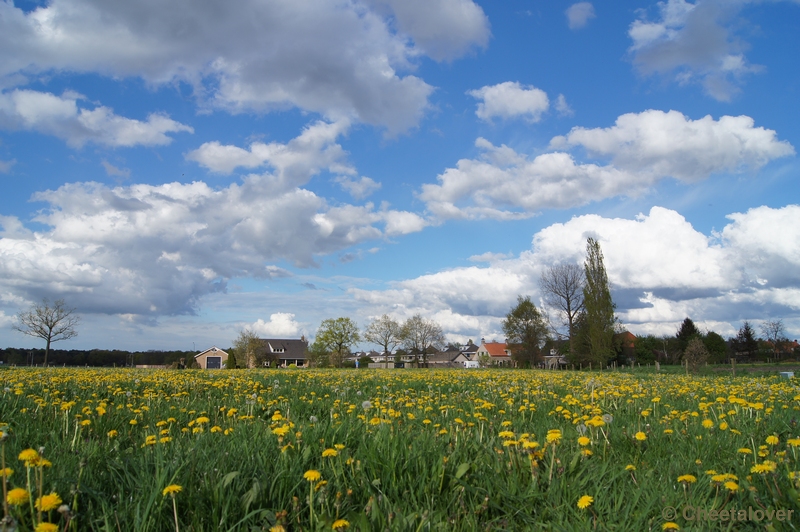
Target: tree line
<point>95,357</point>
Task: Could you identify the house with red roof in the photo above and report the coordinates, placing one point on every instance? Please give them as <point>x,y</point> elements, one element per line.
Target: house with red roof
<point>498,352</point>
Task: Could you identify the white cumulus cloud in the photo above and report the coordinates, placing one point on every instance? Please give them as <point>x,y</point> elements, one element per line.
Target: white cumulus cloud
<point>280,325</point>
<point>342,60</point>
<point>61,116</point>
<point>661,270</point>
<point>510,100</point>
<point>643,149</point>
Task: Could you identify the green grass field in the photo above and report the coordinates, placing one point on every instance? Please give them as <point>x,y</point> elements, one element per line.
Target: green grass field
<point>398,450</point>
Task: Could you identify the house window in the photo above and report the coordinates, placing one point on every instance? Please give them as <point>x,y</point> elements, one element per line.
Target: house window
<point>213,362</point>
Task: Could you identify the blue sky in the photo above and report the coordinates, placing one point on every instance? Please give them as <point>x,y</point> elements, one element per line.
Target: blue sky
<point>180,173</point>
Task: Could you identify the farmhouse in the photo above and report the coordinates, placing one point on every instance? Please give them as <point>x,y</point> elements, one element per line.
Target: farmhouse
<point>498,353</point>
<point>211,358</point>
<point>286,352</point>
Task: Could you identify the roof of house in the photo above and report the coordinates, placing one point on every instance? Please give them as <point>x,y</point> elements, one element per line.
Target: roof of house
<point>212,350</point>
<point>286,348</point>
<point>444,356</point>
<point>496,349</point>
<point>627,338</point>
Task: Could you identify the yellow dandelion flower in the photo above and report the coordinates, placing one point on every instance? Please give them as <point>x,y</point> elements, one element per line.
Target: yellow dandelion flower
<point>329,453</point>
<point>216,428</point>
<point>202,420</point>
<point>731,486</point>
<point>772,440</point>
<point>7,472</point>
<point>340,524</point>
<point>46,527</point>
<point>585,501</point>
<point>767,466</point>
<point>688,479</point>
<point>29,456</point>
<point>112,433</point>
<point>630,467</point>
<point>745,450</point>
<point>18,496</point>
<point>281,431</point>
<point>312,475</point>
<point>506,434</point>
<point>172,489</point>
<point>669,525</point>
<point>48,502</point>
<point>339,446</point>
<point>133,422</point>
<point>641,436</point>
<point>707,424</point>
<point>583,441</point>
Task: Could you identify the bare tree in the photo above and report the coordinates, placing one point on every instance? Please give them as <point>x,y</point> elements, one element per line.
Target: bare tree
<point>419,335</point>
<point>562,288</point>
<point>774,333</point>
<point>50,323</point>
<point>384,332</point>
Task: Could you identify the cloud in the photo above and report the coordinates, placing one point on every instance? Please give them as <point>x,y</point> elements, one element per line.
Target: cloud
<point>661,270</point>
<point>578,15</point>
<point>339,60</point>
<point>643,148</point>
<point>60,116</point>
<point>693,43</point>
<point>563,107</point>
<point>443,29</point>
<point>112,170</point>
<point>360,189</point>
<point>5,166</point>
<point>672,145</point>
<point>154,250</point>
<point>293,163</point>
<point>510,100</point>
<point>280,325</point>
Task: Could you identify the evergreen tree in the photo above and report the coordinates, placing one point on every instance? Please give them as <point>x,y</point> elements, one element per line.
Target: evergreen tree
<point>598,307</point>
<point>686,332</point>
<point>745,343</point>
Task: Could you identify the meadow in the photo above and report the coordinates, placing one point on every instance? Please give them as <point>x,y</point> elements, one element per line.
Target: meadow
<point>152,450</point>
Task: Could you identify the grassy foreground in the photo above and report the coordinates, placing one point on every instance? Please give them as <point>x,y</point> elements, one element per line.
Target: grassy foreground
<point>149,450</point>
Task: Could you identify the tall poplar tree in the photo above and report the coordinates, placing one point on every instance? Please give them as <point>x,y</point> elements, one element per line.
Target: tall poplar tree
<point>598,307</point>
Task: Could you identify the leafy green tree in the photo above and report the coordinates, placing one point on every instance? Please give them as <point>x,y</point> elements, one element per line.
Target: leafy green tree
<point>717,347</point>
<point>247,350</point>
<point>420,335</point>
<point>337,336</point>
<point>319,355</point>
<point>384,332</point>
<point>599,307</point>
<point>646,348</point>
<point>51,323</point>
<point>526,332</point>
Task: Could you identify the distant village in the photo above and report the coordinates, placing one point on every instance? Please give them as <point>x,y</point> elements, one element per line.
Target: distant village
<point>285,353</point>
